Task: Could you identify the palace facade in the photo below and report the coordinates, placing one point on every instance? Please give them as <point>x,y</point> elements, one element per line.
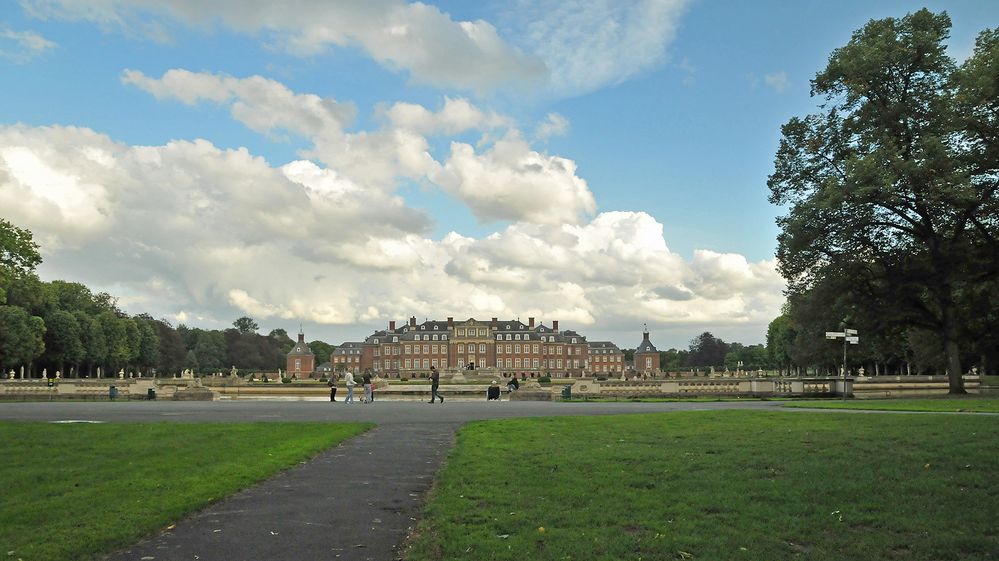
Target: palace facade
<point>504,347</point>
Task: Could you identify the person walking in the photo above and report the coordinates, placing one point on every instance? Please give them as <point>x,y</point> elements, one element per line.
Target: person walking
<point>332,382</point>
<point>367,386</point>
<point>435,382</point>
<point>348,380</point>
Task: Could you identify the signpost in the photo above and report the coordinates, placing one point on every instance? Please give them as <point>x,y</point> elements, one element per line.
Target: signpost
<point>849,336</point>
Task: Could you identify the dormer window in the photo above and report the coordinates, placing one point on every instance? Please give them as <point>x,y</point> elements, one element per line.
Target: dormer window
<point>435,336</point>
<point>376,341</point>
<point>395,339</point>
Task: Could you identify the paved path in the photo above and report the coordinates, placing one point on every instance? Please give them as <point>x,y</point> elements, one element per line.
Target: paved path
<point>354,502</point>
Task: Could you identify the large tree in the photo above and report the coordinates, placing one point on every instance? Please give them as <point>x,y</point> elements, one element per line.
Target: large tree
<point>892,186</point>
<point>21,339</point>
<point>18,254</point>
<point>707,350</point>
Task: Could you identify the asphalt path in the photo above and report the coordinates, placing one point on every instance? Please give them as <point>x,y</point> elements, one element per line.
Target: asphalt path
<point>357,501</point>
<point>386,413</point>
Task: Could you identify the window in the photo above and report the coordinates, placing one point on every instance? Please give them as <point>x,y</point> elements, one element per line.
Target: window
<point>516,348</point>
<point>395,339</point>
<point>435,336</point>
<point>406,349</point>
<point>499,337</point>
<point>509,363</point>
<point>507,336</point>
<point>298,364</point>
<point>482,348</point>
<point>482,333</point>
<point>516,363</point>
<point>509,348</point>
<point>559,363</point>
<point>461,333</point>
<point>648,362</point>
<point>535,349</point>
<point>395,350</point>
<point>559,350</point>
<point>435,349</point>
<point>426,349</point>
<point>434,363</point>
<point>443,337</point>
<point>535,363</point>
<point>426,363</point>
<point>573,340</point>
<point>376,341</point>
<point>461,349</point>
<point>409,363</point>
<point>461,363</point>
<point>517,337</point>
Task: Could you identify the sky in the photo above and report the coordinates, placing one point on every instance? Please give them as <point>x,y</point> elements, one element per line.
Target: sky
<point>337,165</point>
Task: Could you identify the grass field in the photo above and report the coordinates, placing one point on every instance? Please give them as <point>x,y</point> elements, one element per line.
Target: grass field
<point>718,485</point>
<point>935,404</point>
<point>73,491</point>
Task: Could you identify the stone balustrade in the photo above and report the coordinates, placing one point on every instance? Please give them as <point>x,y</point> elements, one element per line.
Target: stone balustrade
<point>749,387</point>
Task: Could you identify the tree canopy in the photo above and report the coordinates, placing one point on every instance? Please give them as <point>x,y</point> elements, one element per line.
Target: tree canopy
<point>891,187</point>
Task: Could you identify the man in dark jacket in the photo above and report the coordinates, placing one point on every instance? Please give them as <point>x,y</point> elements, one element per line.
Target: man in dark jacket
<point>435,382</point>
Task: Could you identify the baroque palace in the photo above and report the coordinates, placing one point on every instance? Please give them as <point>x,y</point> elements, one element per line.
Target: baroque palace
<point>500,347</point>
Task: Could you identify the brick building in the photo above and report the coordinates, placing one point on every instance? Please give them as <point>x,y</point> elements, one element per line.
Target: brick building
<point>506,347</point>
<point>347,357</point>
<point>301,360</point>
<point>606,357</point>
<point>646,356</point>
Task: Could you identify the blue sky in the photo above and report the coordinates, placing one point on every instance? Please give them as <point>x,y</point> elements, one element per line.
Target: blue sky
<point>666,117</point>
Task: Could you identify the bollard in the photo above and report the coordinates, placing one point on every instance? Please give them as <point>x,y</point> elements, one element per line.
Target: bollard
<point>112,392</point>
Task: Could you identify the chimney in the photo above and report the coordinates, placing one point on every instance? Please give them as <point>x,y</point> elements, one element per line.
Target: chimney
<point>450,322</point>
<point>645,337</point>
<point>530,322</point>
<point>412,321</point>
<point>494,322</point>
<point>301,337</point>
<point>555,325</point>
<point>392,325</point>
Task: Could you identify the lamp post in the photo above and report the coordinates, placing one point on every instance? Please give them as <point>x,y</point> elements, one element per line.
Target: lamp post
<point>849,336</point>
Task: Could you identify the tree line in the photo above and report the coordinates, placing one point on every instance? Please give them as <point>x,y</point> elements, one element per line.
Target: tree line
<point>892,198</point>
<point>61,326</point>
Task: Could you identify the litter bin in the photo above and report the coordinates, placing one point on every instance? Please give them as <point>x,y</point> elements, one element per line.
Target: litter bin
<point>151,393</point>
<point>112,392</point>
<point>567,392</point>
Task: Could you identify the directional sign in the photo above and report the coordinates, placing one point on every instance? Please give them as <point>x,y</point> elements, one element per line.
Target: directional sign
<point>834,334</point>
<point>853,340</point>
<point>850,331</point>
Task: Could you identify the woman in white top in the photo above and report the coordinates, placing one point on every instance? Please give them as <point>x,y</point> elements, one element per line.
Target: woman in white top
<point>348,380</point>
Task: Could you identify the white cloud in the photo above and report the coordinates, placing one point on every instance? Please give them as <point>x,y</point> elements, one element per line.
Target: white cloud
<point>588,44</point>
<point>22,46</point>
<point>413,37</point>
<point>512,182</point>
<point>189,230</point>
<point>553,125</point>
<point>505,181</point>
<point>778,81</point>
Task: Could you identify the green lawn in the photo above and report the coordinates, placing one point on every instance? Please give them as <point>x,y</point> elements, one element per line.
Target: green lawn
<point>718,485</point>
<point>74,491</point>
<point>936,404</point>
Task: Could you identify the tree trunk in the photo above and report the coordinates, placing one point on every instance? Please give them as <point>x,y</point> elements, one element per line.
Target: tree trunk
<point>954,379</point>
<point>950,334</point>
